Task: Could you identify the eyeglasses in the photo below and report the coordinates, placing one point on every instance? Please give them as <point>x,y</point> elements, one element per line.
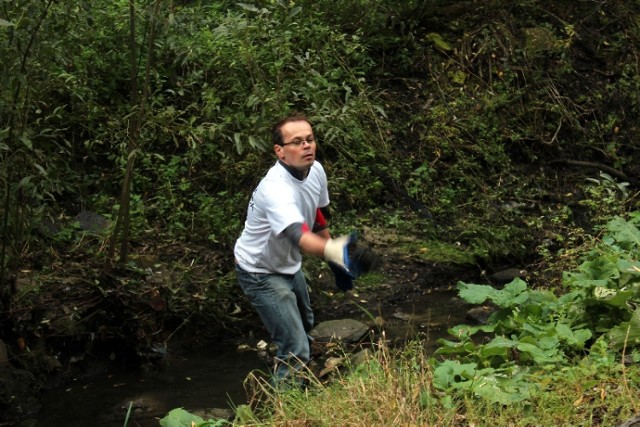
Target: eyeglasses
<point>300,141</point>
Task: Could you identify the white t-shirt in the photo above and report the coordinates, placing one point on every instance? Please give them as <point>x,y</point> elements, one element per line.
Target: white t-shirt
<point>279,201</point>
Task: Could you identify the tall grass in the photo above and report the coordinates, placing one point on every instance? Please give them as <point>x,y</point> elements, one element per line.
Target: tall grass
<point>394,388</point>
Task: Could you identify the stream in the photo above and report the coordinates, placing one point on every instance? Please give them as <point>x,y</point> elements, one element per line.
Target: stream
<point>212,376</point>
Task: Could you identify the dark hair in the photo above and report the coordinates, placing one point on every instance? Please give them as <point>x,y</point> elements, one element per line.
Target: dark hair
<point>276,131</point>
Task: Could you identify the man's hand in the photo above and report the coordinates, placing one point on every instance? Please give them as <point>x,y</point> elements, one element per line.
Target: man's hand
<point>336,251</point>
<point>343,279</point>
<point>355,260</point>
<point>348,261</point>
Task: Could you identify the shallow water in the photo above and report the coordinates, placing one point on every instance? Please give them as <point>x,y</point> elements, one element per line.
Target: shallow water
<point>212,377</point>
<point>427,316</point>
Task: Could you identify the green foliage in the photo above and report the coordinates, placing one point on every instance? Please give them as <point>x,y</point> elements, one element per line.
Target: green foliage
<point>605,197</point>
<point>537,352</point>
<point>441,103</point>
<point>401,387</point>
<point>504,386</point>
<point>181,418</point>
<point>536,332</point>
<point>608,281</point>
<point>457,109</point>
<point>221,75</point>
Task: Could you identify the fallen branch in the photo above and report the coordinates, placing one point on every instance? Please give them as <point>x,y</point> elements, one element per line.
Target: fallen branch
<point>604,168</point>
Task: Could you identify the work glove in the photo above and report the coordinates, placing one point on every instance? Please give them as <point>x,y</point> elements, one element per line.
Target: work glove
<point>336,251</point>
<point>348,261</point>
<point>343,279</point>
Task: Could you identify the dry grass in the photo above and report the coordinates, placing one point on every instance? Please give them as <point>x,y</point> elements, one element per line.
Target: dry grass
<point>396,390</point>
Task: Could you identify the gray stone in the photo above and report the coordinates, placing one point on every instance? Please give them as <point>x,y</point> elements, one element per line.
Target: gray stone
<point>91,221</point>
<point>480,315</point>
<point>506,276</point>
<point>346,330</point>
<point>361,357</point>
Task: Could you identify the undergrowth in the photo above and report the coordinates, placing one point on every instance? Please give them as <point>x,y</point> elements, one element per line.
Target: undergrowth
<point>544,359</point>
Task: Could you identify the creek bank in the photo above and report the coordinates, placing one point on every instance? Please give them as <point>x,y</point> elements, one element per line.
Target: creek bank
<point>18,393</point>
<point>74,329</point>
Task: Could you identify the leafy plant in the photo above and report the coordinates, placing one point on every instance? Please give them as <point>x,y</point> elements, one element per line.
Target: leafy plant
<point>537,331</point>
<point>604,196</point>
<point>504,386</point>
<point>180,418</point>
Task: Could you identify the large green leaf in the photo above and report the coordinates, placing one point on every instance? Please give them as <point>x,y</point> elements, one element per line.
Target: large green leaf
<point>538,355</point>
<point>582,280</point>
<point>613,297</point>
<point>624,231</point>
<point>576,338</point>
<point>497,387</point>
<point>513,293</point>
<point>451,347</point>
<point>452,374</point>
<point>502,387</point>
<point>546,341</point>
<point>629,271</point>
<point>626,332</point>
<point>180,418</point>
<point>499,346</point>
<point>601,268</point>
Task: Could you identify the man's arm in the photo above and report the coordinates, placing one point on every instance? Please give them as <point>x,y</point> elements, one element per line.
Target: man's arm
<point>318,242</point>
<point>314,243</point>
<point>310,240</point>
<point>320,226</point>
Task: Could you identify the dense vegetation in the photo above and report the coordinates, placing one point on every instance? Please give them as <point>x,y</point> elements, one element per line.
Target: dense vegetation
<point>543,359</point>
<point>497,132</point>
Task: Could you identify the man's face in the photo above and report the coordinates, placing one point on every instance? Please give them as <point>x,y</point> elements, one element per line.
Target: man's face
<point>299,156</point>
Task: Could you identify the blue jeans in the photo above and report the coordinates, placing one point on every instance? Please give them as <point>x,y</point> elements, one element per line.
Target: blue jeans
<point>282,302</point>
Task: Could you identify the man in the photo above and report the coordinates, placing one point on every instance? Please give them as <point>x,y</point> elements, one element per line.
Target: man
<point>284,218</point>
